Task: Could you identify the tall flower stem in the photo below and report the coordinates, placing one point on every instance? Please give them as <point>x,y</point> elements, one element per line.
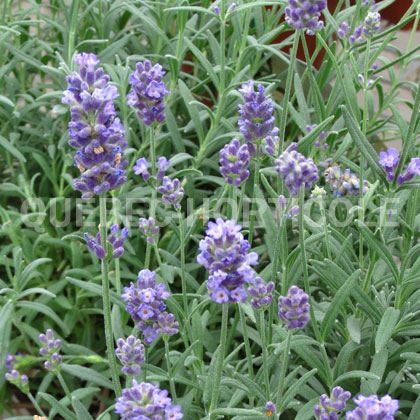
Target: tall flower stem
<point>264,353</point>
<point>283,370</point>
<point>64,386</point>
<point>106,300</point>
<point>314,323</point>
<point>221,356</point>
<point>246,341</point>
<point>72,31</point>
<point>168,363</point>
<point>35,404</point>
<point>182,245</point>
<point>253,204</point>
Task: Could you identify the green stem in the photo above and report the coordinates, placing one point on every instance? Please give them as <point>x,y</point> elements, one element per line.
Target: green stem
<point>106,300</point>
<point>35,404</point>
<point>182,245</point>
<point>72,31</point>
<point>168,362</point>
<point>221,356</point>
<point>327,235</point>
<point>264,353</point>
<point>64,386</point>
<point>246,341</point>
<point>314,323</point>
<point>253,204</point>
<point>283,370</point>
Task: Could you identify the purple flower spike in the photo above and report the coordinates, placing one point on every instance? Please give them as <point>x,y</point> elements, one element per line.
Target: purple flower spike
<point>270,407</point>
<point>116,242</point>
<point>166,324</point>
<point>149,229</point>
<point>163,163</point>
<point>345,183</point>
<point>172,191</point>
<point>296,170</point>
<point>130,352</point>
<point>234,162</point>
<point>224,256</point>
<point>305,14</point>
<point>50,348</point>
<point>294,308</point>
<point>15,378</point>
<point>343,30</point>
<point>141,168</point>
<point>356,36</point>
<point>371,408</point>
<point>147,92</point>
<point>95,131</point>
<point>145,303</point>
<point>389,161</point>
<point>10,361</point>
<point>261,293</point>
<point>330,407</point>
<point>146,401</point>
<point>413,169</point>
<point>257,119</point>
<point>271,145</point>
<point>371,24</point>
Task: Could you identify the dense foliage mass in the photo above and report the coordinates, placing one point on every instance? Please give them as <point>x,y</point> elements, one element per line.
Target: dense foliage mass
<point>199,219</point>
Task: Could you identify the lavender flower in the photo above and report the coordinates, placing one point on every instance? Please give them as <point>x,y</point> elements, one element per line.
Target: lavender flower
<point>371,23</point>
<point>321,136</point>
<point>356,36</point>
<point>305,14</point>
<point>343,30</point>
<point>271,145</point>
<point>131,354</point>
<point>257,117</point>
<point>147,92</point>
<point>142,168</point>
<point>166,324</point>
<point>95,130</point>
<point>345,183</point>
<point>149,229</point>
<point>50,348</point>
<point>294,308</point>
<point>371,408</point>
<point>389,161</point>
<point>224,256</point>
<point>146,401</point>
<point>145,303</point>
<point>163,163</point>
<point>296,169</point>
<point>234,162</point>
<point>271,408</point>
<point>117,243</point>
<point>330,407</point>
<point>294,211</point>
<point>172,191</point>
<point>282,202</point>
<point>10,361</point>
<point>413,168</point>
<point>261,294</point>
<point>21,381</point>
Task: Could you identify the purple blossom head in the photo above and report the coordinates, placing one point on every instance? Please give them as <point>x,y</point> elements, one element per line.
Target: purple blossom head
<point>371,23</point>
<point>234,162</point>
<point>10,361</point>
<point>281,200</point>
<point>356,36</point>
<point>146,401</point>
<point>95,131</point>
<point>142,168</point>
<point>145,301</point>
<point>294,308</point>
<point>261,293</point>
<point>343,183</point>
<point>257,119</point>
<point>19,380</point>
<point>294,211</point>
<point>413,169</point>
<point>270,407</point>
<point>149,228</point>
<point>166,324</point>
<point>343,30</point>
<point>389,161</point>
<point>224,254</point>
<point>271,145</point>
<point>115,239</point>
<point>373,408</point>
<point>296,170</point>
<point>130,352</point>
<point>330,406</point>
<point>163,163</point>
<point>172,191</point>
<point>147,92</point>
<point>50,348</point>
<point>305,14</point>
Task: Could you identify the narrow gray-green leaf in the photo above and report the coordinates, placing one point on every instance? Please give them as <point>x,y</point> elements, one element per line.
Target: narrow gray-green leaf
<point>387,324</point>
